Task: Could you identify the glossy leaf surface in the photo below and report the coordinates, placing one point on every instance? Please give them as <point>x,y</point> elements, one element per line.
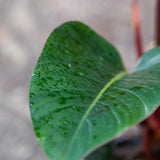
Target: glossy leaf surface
<point>81,96</point>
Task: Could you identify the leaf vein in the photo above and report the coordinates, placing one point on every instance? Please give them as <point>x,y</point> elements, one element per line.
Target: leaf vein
<point>111,82</point>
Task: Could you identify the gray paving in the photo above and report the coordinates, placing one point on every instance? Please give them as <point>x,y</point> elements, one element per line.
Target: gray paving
<point>24,28</point>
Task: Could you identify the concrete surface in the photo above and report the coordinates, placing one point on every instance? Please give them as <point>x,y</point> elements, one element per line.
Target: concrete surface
<point>24,28</point>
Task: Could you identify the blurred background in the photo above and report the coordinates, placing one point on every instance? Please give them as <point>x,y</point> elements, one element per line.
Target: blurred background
<point>24,28</point>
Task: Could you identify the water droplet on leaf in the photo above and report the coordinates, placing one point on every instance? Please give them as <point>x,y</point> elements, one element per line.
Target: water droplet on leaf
<point>81,74</point>
<point>31,103</point>
<point>74,106</point>
<point>32,95</point>
<point>101,58</point>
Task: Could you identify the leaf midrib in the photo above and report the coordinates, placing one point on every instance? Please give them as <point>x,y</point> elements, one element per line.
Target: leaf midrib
<point>111,82</point>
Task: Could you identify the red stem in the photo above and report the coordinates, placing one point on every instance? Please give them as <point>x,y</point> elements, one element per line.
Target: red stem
<point>158,23</point>
<point>154,120</point>
<point>138,44</point>
<point>156,114</point>
<point>146,143</point>
<point>137,32</point>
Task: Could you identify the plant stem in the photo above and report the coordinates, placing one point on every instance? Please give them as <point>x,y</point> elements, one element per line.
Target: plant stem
<point>146,142</point>
<point>158,23</point>
<point>138,44</point>
<point>152,122</point>
<point>156,114</point>
<point>137,32</point>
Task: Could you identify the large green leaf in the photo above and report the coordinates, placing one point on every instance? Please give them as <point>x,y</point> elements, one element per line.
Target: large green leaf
<point>81,96</point>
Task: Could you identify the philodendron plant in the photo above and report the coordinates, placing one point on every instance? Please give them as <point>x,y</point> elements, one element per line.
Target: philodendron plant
<point>81,96</point>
